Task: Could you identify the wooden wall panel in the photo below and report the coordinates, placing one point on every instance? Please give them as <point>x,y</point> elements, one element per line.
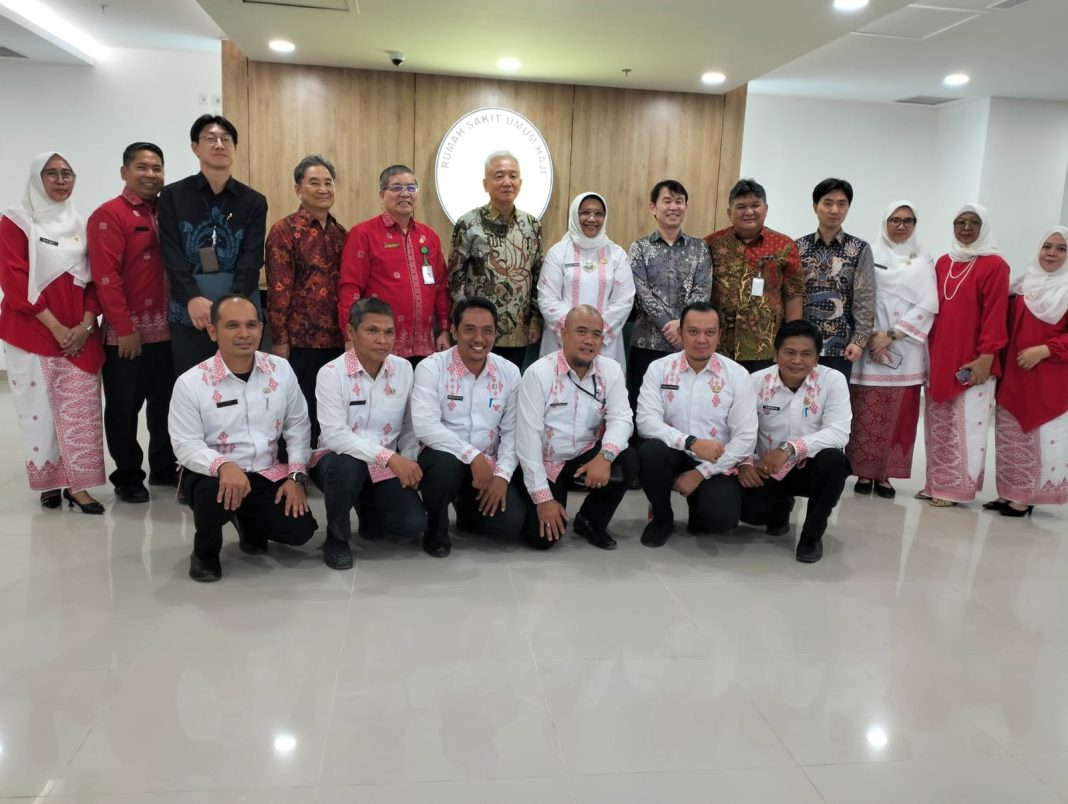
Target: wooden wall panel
<point>730,158</point>
<point>235,103</point>
<point>361,120</point>
<point>440,100</point>
<point>627,140</point>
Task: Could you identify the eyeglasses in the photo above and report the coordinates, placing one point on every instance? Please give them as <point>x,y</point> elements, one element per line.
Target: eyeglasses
<point>225,141</point>
<point>57,175</point>
<point>403,188</point>
<point>595,214</point>
<point>901,221</point>
<point>966,223</point>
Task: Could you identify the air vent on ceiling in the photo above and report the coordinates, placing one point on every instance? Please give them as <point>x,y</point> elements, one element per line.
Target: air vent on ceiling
<point>317,5</point>
<point>1001,4</point>
<point>917,22</point>
<point>8,53</point>
<point>925,100</point>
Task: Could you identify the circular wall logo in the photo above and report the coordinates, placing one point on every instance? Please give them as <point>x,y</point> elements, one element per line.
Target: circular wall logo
<point>460,165</point>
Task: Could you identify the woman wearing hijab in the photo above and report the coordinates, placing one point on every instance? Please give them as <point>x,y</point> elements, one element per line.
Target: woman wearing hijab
<point>963,348</point>
<point>51,343</point>
<point>1031,420</point>
<point>886,381</point>
<point>585,267</point>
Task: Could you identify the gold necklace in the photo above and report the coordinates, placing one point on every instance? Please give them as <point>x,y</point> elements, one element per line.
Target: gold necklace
<point>960,277</point>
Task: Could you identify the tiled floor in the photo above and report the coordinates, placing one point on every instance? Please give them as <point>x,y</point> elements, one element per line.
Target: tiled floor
<point>925,659</point>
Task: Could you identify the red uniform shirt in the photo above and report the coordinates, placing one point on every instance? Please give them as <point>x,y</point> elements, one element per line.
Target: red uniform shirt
<point>303,261</point>
<point>383,262</point>
<point>127,270</point>
<point>1037,396</point>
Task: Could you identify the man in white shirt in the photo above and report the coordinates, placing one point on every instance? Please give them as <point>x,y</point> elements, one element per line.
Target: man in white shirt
<point>697,414</point>
<point>804,417</point>
<point>226,416</point>
<point>366,455</point>
<point>574,422</point>
<point>464,412</point>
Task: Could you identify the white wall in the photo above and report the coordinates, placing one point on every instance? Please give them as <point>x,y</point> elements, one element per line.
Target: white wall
<point>886,152</point>
<point>960,149</point>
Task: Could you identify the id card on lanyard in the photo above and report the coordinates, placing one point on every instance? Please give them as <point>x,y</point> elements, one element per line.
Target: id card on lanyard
<point>428,270</point>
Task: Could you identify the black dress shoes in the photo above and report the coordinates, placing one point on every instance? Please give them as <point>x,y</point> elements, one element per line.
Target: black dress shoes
<point>596,537</point>
<point>133,493</point>
<point>656,533</point>
<point>809,552</point>
<point>204,570</point>
<point>437,545</point>
<point>169,479</point>
<point>337,554</point>
<point>51,499</point>
<point>778,527</point>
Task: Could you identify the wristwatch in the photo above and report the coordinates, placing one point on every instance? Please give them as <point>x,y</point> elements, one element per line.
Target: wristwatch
<point>788,448</point>
<point>891,334</point>
<point>299,478</point>
<point>690,441</point>
<point>608,455</point>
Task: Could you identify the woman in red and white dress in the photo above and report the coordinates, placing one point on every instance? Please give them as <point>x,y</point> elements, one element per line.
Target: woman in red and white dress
<point>964,352</point>
<point>886,381</point>
<point>1031,421</point>
<point>51,343</point>
<point>585,267</point>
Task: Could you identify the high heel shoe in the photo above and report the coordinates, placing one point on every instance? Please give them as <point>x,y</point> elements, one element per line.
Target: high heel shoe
<point>1008,510</point>
<point>996,505</point>
<point>51,499</point>
<point>86,508</point>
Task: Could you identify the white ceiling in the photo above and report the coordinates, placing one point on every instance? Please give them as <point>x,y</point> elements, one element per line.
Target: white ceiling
<point>789,47</point>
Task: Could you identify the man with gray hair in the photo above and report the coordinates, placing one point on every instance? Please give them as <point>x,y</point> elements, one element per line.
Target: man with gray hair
<point>497,254</point>
<point>395,258</point>
<point>303,259</point>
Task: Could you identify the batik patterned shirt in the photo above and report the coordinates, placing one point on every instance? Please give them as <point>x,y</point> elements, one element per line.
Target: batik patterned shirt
<point>839,289</point>
<point>666,279</point>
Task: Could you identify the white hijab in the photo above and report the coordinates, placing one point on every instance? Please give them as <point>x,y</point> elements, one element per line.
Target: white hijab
<point>1045,294</point>
<point>909,269</point>
<point>55,230</point>
<point>574,229</point>
<point>984,244</point>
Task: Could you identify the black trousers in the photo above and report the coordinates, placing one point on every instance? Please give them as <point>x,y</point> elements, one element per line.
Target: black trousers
<point>306,364</point>
<point>637,363</point>
<point>128,384</point>
<point>391,509</point>
<point>839,363</point>
<point>259,516</point>
<point>716,504</point>
<point>517,354</point>
<point>190,346</point>
<point>600,504</point>
<point>821,479</point>
<point>447,480</point>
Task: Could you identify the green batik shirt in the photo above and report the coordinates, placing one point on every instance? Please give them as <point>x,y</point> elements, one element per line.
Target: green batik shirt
<point>501,260</point>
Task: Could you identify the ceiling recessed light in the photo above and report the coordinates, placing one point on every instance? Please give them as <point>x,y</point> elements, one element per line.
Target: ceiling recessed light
<point>508,63</point>
<point>713,78</point>
<point>281,46</point>
<point>956,80</point>
<point>849,5</point>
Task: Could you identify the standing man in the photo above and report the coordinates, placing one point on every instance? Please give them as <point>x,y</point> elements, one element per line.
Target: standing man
<point>227,413</point>
<point>464,411</point>
<point>574,422</point>
<point>671,269</point>
<point>138,369</point>
<point>496,254</point>
<point>211,230</point>
<point>697,412</point>
<point>303,264</point>
<point>757,282</point>
<point>804,418</point>
<point>395,258</point>
<point>839,278</point>
<point>366,428</point>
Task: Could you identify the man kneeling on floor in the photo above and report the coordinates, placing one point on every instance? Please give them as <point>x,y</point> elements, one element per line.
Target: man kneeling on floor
<point>367,448</point>
<point>226,416</point>
<point>804,418</point>
<point>697,412</point>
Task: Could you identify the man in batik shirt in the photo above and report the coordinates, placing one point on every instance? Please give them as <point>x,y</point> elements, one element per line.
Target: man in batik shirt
<point>757,282</point>
<point>496,254</point>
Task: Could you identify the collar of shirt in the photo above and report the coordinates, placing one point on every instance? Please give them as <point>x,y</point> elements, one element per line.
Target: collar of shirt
<point>680,240</point>
<point>304,216</point>
<point>495,214</point>
<point>217,370</point>
<point>353,367</point>
<point>838,238</point>
<point>756,241</point>
<point>811,385</point>
<point>229,187</point>
<point>388,222</point>
<point>459,369</point>
<point>134,200</point>
<point>713,365</point>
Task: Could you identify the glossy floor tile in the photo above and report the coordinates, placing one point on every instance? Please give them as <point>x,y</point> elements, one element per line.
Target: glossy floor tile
<point>924,659</point>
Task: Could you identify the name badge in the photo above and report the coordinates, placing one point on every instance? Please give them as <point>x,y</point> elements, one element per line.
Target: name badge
<point>428,274</point>
<point>49,242</point>
<point>557,404</point>
<point>226,404</point>
<point>769,407</point>
<point>357,402</point>
<point>667,387</point>
<point>141,229</point>
<point>758,286</point>
<point>454,397</point>
<point>571,265</point>
<point>391,245</point>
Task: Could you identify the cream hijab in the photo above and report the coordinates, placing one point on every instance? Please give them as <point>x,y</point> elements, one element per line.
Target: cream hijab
<point>909,269</point>
<point>984,244</point>
<point>1045,294</point>
<point>55,230</point>
<point>574,229</point>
